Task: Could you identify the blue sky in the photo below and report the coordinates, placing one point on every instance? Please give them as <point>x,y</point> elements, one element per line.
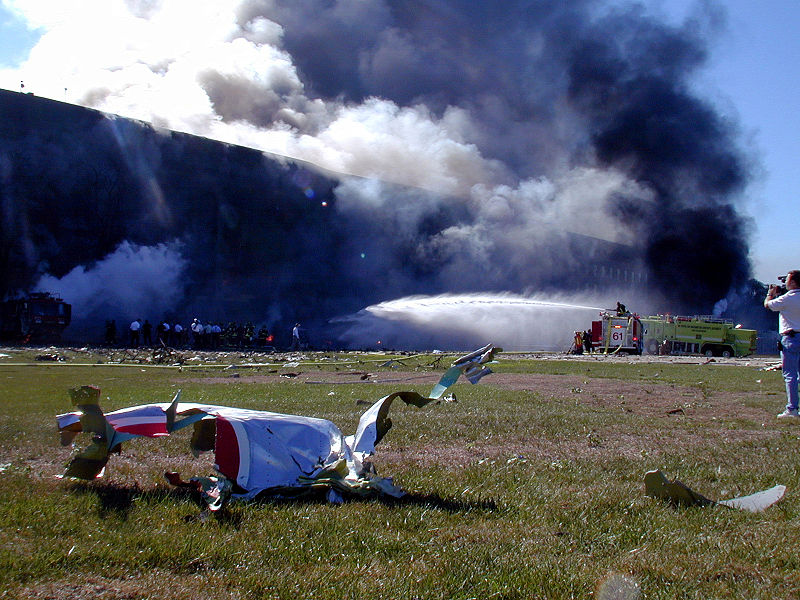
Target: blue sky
<point>752,76</point>
<point>16,39</point>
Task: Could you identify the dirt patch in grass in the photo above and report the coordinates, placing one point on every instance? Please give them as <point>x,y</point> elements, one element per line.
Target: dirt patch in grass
<point>659,404</point>
<point>320,377</point>
<point>153,584</point>
<point>641,398</point>
<point>592,444</point>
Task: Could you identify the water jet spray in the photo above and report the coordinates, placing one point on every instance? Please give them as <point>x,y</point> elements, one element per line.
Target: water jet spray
<point>452,321</point>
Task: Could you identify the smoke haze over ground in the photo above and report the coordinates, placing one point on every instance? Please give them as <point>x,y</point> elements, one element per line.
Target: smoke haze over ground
<point>464,147</point>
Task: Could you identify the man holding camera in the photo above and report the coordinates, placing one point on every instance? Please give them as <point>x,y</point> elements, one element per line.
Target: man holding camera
<point>787,304</point>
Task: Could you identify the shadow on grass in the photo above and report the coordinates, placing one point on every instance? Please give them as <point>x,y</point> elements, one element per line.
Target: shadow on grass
<point>451,505</point>
<point>115,500</point>
<point>434,501</point>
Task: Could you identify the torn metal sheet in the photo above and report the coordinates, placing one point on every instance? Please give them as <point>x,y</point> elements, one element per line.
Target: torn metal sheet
<point>658,486</point>
<point>255,450</point>
<point>758,501</point>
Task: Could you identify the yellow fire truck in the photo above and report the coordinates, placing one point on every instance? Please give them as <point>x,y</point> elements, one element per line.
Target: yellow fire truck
<point>706,335</point>
<point>668,334</point>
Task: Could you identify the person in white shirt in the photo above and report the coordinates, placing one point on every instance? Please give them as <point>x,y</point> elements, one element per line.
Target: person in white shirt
<point>163,332</point>
<point>197,334</point>
<point>788,307</point>
<point>295,337</point>
<point>135,326</point>
<point>177,335</point>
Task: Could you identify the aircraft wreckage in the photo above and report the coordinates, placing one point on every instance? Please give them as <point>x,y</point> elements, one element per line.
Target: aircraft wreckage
<point>678,493</point>
<point>256,451</point>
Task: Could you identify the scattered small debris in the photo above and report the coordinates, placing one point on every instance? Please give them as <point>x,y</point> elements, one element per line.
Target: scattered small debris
<point>162,354</point>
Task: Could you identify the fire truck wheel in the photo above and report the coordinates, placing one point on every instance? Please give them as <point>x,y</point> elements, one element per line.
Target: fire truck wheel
<point>652,347</point>
<point>726,354</point>
<point>708,352</point>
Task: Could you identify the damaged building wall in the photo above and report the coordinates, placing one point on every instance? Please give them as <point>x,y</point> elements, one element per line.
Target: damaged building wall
<point>225,232</point>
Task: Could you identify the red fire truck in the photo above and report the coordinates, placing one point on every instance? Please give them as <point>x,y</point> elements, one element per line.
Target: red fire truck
<point>37,317</point>
<point>617,333</point>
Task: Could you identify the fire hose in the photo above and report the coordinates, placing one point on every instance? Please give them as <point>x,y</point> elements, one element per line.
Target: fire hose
<point>622,341</point>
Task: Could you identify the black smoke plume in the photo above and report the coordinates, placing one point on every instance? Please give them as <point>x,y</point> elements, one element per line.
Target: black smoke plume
<point>625,76</point>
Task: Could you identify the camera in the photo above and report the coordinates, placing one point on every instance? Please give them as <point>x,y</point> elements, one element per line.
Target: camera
<point>781,289</point>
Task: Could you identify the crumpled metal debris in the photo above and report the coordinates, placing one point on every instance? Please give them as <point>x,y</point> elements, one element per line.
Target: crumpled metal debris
<point>214,491</point>
<point>675,492</point>
<point>255,451</point>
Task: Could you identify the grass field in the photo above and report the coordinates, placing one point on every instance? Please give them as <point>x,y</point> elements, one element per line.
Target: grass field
<point>530,485</point>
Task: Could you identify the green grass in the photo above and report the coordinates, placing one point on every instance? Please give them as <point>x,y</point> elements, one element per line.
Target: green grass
<point>512,494</point>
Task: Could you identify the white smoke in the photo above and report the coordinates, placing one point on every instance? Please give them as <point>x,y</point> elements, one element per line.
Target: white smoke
<point>192,67</point>
<point>203,68</point>
<point>379,139</point>
<point>133,282</point>
<point>577,201</point>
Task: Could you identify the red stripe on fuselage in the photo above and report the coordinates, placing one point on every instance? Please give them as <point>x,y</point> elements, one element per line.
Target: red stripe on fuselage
<point>226,449</point>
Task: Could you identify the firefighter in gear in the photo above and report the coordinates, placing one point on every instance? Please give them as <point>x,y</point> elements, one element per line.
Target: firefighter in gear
<point>578,343</point>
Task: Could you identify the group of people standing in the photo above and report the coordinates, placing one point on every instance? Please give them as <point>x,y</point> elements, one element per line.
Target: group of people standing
<point>140,333</point>
<point>201,336</point>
